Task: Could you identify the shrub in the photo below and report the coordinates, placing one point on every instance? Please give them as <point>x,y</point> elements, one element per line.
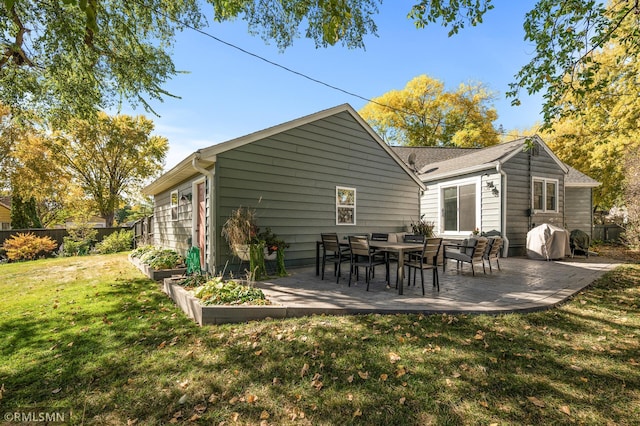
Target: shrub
<point>116,242</point>
<point>142,250</point>
<point>219,292</point>
<point>28,246</point>
<point>158,258</point>
<point>79,241</point>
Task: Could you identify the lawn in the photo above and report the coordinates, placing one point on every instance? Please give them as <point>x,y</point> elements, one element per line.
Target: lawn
<point>93,336</point>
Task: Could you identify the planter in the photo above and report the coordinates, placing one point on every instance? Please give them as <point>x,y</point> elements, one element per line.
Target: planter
<point>156,274</point>
<point>218,314</point>
<point>242,251</point>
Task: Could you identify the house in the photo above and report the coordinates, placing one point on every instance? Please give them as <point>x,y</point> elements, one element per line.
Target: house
<point>325,172</point>
<point>507,189</point>
<point>5,213</point>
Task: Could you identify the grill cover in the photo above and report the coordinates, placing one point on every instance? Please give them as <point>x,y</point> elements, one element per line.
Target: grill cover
<point>546,242</point>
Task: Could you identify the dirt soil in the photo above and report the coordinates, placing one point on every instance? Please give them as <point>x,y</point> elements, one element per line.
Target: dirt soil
<point>618,252</point>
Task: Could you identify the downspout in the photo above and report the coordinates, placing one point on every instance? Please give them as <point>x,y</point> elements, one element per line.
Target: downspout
<point>503,214</point>
<point>211,216</point>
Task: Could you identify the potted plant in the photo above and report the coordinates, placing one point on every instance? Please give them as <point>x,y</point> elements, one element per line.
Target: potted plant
<point>423,227</point>
<point>274,249</point>
<point>239,230</point>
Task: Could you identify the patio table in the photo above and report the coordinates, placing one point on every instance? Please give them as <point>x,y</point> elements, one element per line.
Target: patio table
<point>401,249</point>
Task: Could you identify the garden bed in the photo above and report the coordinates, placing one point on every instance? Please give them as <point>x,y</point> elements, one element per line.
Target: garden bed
<point>156,274</point>
<point>218,314</point>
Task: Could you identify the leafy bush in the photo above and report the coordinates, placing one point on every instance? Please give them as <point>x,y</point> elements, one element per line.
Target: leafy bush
<point>219,292</point>
<point>79,241</point>
<point>28,246</point>
<point>142,250</point>
<point>116,242</point>
<point>159,258</point>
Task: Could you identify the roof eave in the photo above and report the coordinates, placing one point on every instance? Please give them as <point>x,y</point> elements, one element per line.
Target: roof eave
<point>459,172</point>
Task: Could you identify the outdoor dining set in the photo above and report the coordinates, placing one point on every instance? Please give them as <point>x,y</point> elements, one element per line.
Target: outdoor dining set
<point>412,251</point>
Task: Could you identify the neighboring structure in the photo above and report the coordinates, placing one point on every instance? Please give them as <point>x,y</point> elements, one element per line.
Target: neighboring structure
<point>5,213</point>
<point>326,172</point>
<point>92,222</point>
<point>506,189</point>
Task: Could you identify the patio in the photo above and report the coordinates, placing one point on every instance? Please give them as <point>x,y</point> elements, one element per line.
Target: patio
<point>523,285</point>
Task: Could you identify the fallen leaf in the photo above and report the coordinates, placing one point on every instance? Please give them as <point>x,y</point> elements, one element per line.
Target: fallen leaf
<point>56,390</point>
<point>363,375</point>
<point>69,344</point>
<point>264,415</point>
<point>565,409</point>
<point>234,416</point>
<point>258,353</point>
<point>132,422</point>
<point>479,335</point>
<point>575,367</point>
<point>357,413</point>
<point>350,379</point>
<point>535,401</point>
<point>182,399</point>
<point>394,357</point>
<point>402,400</point>
<point>251,399</point>
<point>305,369</point>
<point>200,408</point>
<point>485,404</point>
<point>383,377</point>
<point>162,345</point>
<point>349,397</point>
<point>195,417</point>
<point>401,372</point>
<point>1,391</point>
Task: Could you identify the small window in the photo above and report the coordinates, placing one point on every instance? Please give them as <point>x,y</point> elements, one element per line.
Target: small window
<point>174,205</point>
<point>345,206</point>
<point>545,195</point>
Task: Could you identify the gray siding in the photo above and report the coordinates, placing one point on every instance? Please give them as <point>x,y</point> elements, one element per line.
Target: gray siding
<point>290,179</point>
<point>578,211</point>
<point>520,169</point>
<point>490,201</point>
<point>169,233</point>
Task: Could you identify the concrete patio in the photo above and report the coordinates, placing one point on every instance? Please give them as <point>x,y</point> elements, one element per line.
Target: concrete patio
<point>523,285</point>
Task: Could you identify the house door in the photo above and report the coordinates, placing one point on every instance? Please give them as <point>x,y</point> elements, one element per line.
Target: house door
<point>201,222</point>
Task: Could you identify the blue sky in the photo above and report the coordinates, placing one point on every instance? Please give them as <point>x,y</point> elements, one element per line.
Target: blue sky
<point>227,93</point>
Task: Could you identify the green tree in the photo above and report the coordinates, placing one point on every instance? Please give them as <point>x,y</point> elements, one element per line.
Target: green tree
<point>110,158</point>
<point>424,114</point>
<point>23,213</point>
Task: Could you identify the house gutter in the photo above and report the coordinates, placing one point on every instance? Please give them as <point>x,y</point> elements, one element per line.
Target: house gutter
<point>503,224</point>
<point>211,216</point>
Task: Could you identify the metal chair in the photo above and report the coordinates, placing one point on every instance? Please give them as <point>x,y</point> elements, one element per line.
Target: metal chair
<point>334,253</point>
<point>493,251</point>
<point>426,259</point>
<point>362,254</point>
<point>471,251</point>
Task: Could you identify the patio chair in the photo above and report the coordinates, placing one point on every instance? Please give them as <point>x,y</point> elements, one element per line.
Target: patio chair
<point>493,251</point>
<point>334,253</point>
<point>379,237</point>
<point>579,241</point>
<point>362,254</point>
<point>413,238</point>
<point>470,251</point>
<point>426,259</point>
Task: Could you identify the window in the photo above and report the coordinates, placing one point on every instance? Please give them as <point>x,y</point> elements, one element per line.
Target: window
<point>345,206</point>
<point>459,208</point>
<point>174,205</point>
<point>545,195</point>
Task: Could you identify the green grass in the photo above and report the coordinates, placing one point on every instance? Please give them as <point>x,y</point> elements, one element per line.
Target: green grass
<point>91,334</point>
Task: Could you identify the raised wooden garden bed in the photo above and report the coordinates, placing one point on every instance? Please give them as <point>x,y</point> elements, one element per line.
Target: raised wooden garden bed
<point>156,274</point>
<point>218,314</point>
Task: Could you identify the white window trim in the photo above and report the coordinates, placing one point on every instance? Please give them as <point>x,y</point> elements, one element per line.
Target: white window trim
<point>544,194</point>
<point>173,206</point>
<point>457,183</point>
<point>348,206</point>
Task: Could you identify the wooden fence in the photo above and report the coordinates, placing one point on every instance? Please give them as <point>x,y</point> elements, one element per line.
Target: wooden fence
<point>142,232</point>
<point>609,232</point>
<point>56,234</point>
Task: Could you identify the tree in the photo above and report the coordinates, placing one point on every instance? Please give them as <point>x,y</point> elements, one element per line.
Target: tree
<point>596,131</point>
<point>111,157</point>
<point>68,58</point>
<point>23,213</point>
<point>424,114</point>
